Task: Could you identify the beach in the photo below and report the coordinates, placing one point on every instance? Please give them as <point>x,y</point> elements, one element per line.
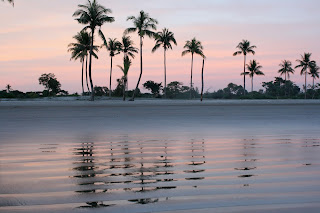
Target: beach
<point>68,155</point>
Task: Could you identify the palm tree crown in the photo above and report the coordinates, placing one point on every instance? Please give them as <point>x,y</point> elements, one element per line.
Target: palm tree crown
<point>245,48</point>
<point>164,39</point>
<point>286,68</point>
<point>193,47</point>
<point>305,63</point>
<point>142,24</point>
<point>127,47</point>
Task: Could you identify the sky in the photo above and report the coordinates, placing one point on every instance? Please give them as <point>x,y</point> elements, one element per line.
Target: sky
<point>34,36</point>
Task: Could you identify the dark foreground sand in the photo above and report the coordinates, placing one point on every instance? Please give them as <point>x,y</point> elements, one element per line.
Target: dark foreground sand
<point>215,156</point>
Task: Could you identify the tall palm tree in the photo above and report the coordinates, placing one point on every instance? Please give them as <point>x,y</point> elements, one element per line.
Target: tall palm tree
<point>79,50</point>
<point>244,48</point>
<point>286,69</point>
<point>305,63</point>
<point>193,47</point>
<point>314,72</point>
<point>164,39</point>
<point>125,70</point>
<point>114,47</point>
<point>10,1</point>
<point>92,15</point>
<point>143,24</point>
<point>254,69</point>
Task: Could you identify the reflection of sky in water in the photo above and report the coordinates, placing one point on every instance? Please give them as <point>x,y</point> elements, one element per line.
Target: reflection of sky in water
<point>127,172</point>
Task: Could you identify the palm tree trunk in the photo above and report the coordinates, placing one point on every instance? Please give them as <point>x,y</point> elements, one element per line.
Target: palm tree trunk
<point>135,91</point>
<point>244,76</point>
<point>285,85</point>
<point>165,74</point>
<point>252,84</point>
<point>124,88</point>
<point>191,77</point>
<point>82,76</point>
<point>202,80</point>
<point>87,73</point>
<point>305,85</point>
<point>90,65</point>
<point>110,91</point>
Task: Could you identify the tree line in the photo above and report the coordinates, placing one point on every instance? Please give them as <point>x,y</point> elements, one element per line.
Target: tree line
<point>93,16</point>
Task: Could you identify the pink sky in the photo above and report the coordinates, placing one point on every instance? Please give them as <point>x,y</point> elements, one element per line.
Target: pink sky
<point>34,36</point>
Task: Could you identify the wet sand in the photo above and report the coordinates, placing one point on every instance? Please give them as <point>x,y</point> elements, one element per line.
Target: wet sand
<point>160,156</point>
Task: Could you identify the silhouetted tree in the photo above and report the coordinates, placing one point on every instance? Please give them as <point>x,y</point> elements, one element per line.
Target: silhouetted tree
<point>305,63</point>
<point>142,24</point>
<point>193,47</point>
<point>153,87</point>
<point>286,69</point>
<point>314,72</point>
<point>254,69</point>
<point>92,15</point>
<point>8,88</point>
<point>80,49</point>
<point>114,47</point>
<point>164,39</point>
<point>50,82</point>
<point>125,70</point>
<point>244,48</point>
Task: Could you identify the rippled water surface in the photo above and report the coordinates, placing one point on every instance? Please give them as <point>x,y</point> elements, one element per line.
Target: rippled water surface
<point>122,175</point>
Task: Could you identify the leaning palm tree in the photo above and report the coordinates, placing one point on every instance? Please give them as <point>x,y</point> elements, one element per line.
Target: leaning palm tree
<point>164,39</point>
<point>254,69</point>
<point>10,1</point>
<point>125,70</point>
<point>114,47</point>
<point>79,50</point>
<point>286,69</point>
<point>202,85</point>
<point>92,15</point>
<point>143,24</point>
<point>244,48</point>
<point>314,72</point>
<point>305,63</point>
<point>193,47</point>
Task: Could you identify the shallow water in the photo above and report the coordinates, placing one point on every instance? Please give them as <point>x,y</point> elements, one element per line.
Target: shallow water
<point>122,174</point>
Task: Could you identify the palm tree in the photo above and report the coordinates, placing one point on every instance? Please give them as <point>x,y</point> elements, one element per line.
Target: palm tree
<point>193,47</point>
<point>10,1</point>
<point>114,47</point>
<point>254,69</point>
<point>286,69</point>
<point>128,49</point>
<point>164,39</point>
<point>92,15</point>
<point>244,48</point>
<point>79,50</point>
<point>142,24</point>
<point>8,88</point>
<point>305,63</point>
<point>125,70</point>
<point>314,72</point>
